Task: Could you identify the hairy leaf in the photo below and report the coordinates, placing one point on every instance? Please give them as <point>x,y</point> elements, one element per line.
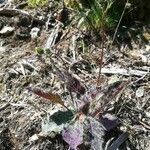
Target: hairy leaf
<point>99,98</point>
<point>115,88</point>
<point>109,121</point>
<point>72,83</point>
<point>73,135</point>
<point>97,131</point>
<point>47,95</point>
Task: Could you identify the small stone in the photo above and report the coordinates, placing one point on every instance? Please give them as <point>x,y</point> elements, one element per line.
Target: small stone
<point>2,49</point>
<point>7,30</point>
<point>147,114</point>
<point>33,138</point>
<point>147,49</point>
<point>34,32</point>
<point>139,92</point>
<point>2,1</point>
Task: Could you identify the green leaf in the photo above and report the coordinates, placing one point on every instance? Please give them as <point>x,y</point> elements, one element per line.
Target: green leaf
<point>61,117</point>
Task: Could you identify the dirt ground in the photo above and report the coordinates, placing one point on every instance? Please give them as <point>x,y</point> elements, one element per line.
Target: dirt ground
<point>21,65</point>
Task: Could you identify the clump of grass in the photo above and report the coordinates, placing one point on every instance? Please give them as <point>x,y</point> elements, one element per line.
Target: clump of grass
<point>37,3</point>
<point>72,4</point>
<point>96,15</point>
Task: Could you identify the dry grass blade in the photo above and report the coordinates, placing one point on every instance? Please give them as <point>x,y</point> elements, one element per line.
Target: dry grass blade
<point>122,71</point>
<point>52,37</point>
<point>4,107</point>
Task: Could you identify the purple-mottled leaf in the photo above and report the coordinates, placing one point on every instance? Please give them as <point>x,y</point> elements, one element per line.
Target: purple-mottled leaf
<point>102,97</point>
<point>86,99</point>
<point>97,131</point>
<point>47,95</point>
<point>72,83</point>
<point>109,121</point>
<point>73,135</point>
<point>113,89</point>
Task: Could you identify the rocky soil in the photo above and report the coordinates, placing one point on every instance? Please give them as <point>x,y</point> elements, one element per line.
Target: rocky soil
<point>33,43</point>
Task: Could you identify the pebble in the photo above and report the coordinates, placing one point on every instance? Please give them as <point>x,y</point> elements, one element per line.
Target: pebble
<point>34,32</point>
<point>2,49</point>
<point>6,30</point>
<point>139,92</point>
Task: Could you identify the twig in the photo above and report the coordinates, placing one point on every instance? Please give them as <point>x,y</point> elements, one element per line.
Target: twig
<point>36,107</point>
<point>21,5</point>
<point>122,71</point>
<point>121,139</point>
<point>141,77</point>
<point>119,22</point>
<point>102,53</point>
<point>52,37</point>
<point>140,122</point>
<point>47,22</point>
<point>4,106</point>
<point>8,12</point>
<point>22,69</point>
<point>144,125</point>
<point>101,60</point>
